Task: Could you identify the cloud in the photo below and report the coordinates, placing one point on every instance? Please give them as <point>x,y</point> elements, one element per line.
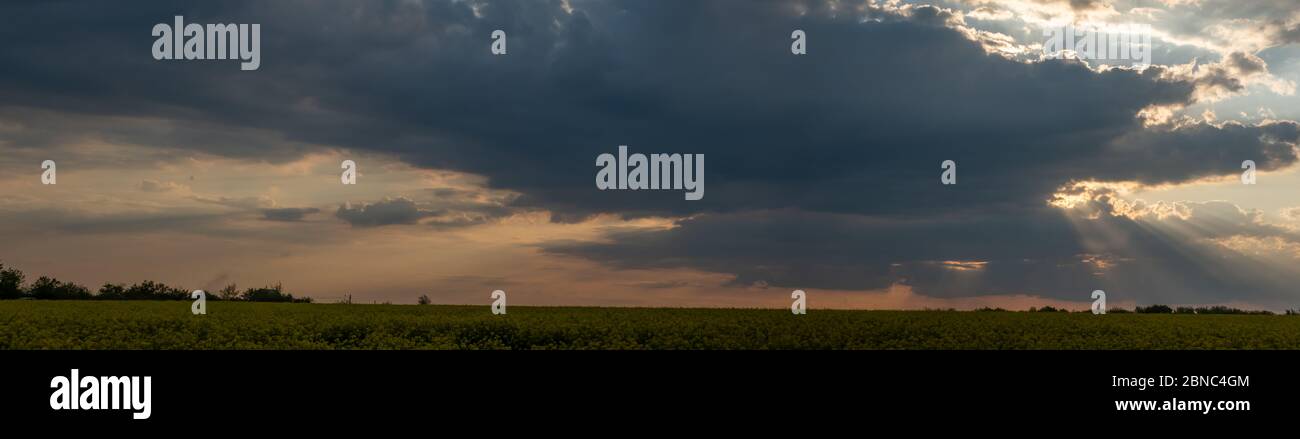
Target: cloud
<point>166,186</point>
<point>389,211</point>
<point>73,221</point>
<point>1207,255</point>
<point>447,208</point>
<point>1290,34</point>
<point>860,109</point>
<point>244,203</point>
<point>288,213</point>
<point>801,249</point>
<point>1291,213</point>
<point>822,169</point>
<point>1230,77</point>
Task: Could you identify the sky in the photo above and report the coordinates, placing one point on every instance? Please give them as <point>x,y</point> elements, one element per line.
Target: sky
<point>477,171</point>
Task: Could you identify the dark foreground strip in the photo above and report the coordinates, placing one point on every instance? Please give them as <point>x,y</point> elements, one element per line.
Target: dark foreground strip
<point>550,391</point>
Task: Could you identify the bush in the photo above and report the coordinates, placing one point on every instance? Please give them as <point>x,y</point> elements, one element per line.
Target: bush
<point>147,290</point>
<point>424,299</point>
<point>230,292</point>
<point>1155,309</point>
<point>1220,309</point>
<point>271,294</point>
<point>47,288</point>
<point>111,292</point>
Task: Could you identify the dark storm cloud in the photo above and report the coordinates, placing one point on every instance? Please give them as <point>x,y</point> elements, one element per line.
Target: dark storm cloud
<point>873,105</point>
<point>822,169</point>
<point>1189,152</point>
<point>1289,34</point>
<point>1039,252</point>
<point>791,248</point>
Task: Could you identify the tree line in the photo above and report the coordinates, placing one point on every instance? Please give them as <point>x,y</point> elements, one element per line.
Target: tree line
<point>1162,309</point>
<point>12,286</point>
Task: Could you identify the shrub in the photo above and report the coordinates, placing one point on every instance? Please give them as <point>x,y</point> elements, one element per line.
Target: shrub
<point>230,292</point>
<point>47,288</point>
<point>1220,309</point>
<point>1155,309</point>
<point>111,292</point>
<point>147,290</point>
<point>271,294</point>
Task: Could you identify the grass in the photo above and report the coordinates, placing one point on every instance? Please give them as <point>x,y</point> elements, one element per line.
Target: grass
<point>239,325</point>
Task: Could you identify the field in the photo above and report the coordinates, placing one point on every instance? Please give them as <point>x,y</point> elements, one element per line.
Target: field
<point>239,325</point>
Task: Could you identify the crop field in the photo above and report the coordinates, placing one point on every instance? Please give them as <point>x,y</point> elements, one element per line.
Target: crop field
<point>241,325</point>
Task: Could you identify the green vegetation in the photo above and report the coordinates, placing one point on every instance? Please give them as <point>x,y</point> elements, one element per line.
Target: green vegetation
<point>101,324</point>
<point>50,314</point>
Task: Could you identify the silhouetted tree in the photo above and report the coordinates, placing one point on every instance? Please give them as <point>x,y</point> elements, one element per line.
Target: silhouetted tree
<point>11,283</point>
<point>111,292</point>
<point>230,292</point>
<point>424,299</point>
